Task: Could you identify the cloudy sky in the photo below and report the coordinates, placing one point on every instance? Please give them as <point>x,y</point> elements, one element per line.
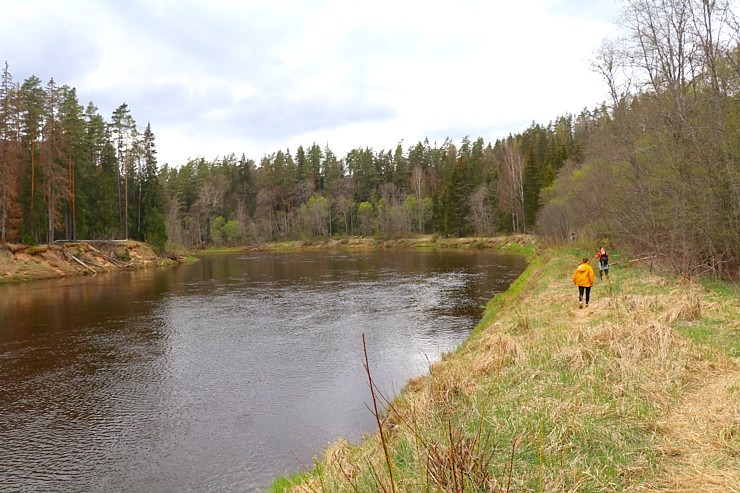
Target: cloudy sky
<point>215,77</point>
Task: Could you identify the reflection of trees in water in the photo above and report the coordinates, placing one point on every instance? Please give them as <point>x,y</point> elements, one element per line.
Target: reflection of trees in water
<point>57,332</point>
<point>60,304</point>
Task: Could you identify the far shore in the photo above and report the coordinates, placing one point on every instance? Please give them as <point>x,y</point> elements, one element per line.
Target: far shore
<point>362,242</point>
<point>21,263</point>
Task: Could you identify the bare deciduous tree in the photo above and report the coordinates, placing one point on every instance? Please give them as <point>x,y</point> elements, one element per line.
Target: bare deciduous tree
<point>480,211</point>
<point>660,171</point>
<point>511,184</point>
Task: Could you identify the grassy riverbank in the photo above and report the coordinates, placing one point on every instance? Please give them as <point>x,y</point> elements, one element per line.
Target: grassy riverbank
<point>638,392</point>
<point>510,242</point>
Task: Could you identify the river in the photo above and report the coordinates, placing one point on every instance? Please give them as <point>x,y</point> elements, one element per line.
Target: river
<point>222,374</point>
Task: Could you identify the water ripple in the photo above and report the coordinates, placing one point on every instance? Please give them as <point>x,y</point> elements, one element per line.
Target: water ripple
<point>224,374</point>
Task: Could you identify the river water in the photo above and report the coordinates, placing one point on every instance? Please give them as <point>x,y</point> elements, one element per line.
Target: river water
<point>223,374</point>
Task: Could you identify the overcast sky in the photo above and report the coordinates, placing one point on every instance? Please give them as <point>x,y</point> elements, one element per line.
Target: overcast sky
<point>216,77</point>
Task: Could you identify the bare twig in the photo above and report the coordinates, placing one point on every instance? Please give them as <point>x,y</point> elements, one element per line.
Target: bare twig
<point>305,468</point>
<point>511,464</point>
<point>377,414</point>
<point>451,450</point>
<point>377,478</point>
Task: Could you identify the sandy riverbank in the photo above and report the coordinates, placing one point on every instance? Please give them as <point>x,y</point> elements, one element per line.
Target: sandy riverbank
<point>26,263</point>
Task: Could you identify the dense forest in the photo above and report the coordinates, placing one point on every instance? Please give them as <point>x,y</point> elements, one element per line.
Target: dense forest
<point>654,170</point>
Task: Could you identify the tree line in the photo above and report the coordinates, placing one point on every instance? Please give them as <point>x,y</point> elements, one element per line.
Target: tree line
<point>471,188</point>
<point>66,173</point>
<point>654,169</point>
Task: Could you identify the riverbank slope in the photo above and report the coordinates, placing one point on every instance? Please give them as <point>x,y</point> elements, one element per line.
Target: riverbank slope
<point>638,392</point>
<point>26,263</point>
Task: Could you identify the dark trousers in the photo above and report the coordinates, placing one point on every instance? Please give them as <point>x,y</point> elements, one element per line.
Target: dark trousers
<point>584,289</point>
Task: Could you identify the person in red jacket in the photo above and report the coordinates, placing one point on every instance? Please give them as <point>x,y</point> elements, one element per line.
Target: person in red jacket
<point>584,279</point>
<point>603,262</point>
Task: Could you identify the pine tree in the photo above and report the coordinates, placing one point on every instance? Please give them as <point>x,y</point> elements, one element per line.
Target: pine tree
<point>73,152</point>
<point>125,135</point>
<point>10,156</point>
<point>151,219</point>
<point>533,178</point>
<point>96,193</point>
<point>32,111</point>
<point>457,198</point>
<point>52,160</point>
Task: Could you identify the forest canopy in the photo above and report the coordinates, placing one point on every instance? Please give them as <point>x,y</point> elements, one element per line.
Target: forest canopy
<point>654,170</point>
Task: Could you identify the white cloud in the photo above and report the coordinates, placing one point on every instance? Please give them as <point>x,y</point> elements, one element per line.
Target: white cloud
<point>222,77</point>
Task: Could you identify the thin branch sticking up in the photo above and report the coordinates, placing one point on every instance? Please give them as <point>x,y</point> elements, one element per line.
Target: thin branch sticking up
<point>377,415</point>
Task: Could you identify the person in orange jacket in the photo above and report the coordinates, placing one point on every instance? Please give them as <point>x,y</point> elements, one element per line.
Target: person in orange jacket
<point>584,279</point>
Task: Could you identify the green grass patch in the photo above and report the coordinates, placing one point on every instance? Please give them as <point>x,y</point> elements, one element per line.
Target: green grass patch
<point>508,297</point>
<point>723,288</point>
<point>216,251</point>
<point>283,484</point>
<point>714,333</point>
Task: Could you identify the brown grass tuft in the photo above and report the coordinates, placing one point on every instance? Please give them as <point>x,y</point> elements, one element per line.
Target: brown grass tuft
<point>576,357</point>
<point>458,461</point>
<point>416,384</point>
<point>450,387</point>
<point>686,307</point>
<point>639,308</point>
<point>337,458</point>
<point>633,341</point>
<point>495,349</point>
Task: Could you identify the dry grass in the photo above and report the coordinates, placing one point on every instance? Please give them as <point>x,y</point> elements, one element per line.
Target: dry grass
<point>550,398</point>
<point>700,440</point>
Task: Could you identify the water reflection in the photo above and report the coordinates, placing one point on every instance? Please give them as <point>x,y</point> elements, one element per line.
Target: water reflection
<point>222,374</point>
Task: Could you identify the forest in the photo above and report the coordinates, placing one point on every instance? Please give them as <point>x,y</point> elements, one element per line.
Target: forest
<point>655,170</point>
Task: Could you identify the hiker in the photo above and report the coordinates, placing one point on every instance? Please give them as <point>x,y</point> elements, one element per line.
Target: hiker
<point>584,279</point>
<point>603,262</point>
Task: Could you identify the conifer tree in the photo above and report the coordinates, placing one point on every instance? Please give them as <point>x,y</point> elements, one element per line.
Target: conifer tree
<point>73,152</point>
<point>125,137</point>
<point>457,197</point>
<point>54,156</point>
<point>151,219</point>
<point>96,195</point>
<point>10,156</point>
<point>532,185</point>
<point>32,111</point>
